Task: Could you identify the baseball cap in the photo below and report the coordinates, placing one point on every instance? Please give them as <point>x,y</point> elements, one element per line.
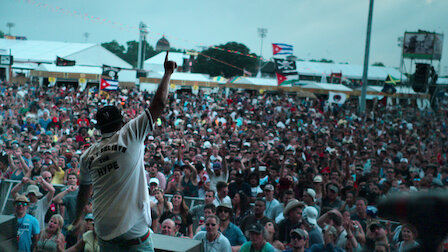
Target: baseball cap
<point>310,214</point>
<point>256,228</point>
<point>269,187</point>
<point>317,179</point>
<point>88,216</point>
<point>154,180</point>
<point>108,115</point>
<point>301,232</point>
<point>333,188</point>
<point>311,193</point>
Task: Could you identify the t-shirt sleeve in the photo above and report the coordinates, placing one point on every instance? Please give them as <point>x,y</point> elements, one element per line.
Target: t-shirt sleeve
<point>142,125</point>
<point>241,238</point>
<point>84,178</point>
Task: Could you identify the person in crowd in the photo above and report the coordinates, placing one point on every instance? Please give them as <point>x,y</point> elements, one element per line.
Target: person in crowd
<point>36,206</point>
<point>67,202</point>
<point>376,232</point>
<point>189,180</point>
<point>168,227</point>
<point>360,213</point>
<point>271,202</point>
<point>257,217</point>
<point>155,173</point>
<point>19,167</point>
<point>257,241</point>
<point>232,232</point>
<point>334,219</point>
<point>28,229</point>
<point>241,207</point>
<point>222,190</point>
<point>293,220</point>
<point>153,184</point>
<point>278,210</point>
<point>209,209</point>
<point>299,238</point>
<point>162,205</point>
<point>271,236</point>
<point>212,239</point>
<point>51,238</point>
<point>220,171</point>
<point>330,235</point>
<point>331,200</point>
<point>409,235</point>
<point>309,221</point>
<point>198,210</point>
<point>89,239</point>
<point>239,184</point>
<point>175,182</point>
<point>180,209</point>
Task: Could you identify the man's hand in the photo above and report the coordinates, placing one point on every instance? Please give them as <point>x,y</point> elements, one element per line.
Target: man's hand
<point>170,66</point>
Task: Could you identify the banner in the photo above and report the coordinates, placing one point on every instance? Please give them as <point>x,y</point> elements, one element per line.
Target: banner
<point>282,65</point>
<point>64,62</point>
<point>287,78</point>
<point>338,98</point>
<point>111,72</point>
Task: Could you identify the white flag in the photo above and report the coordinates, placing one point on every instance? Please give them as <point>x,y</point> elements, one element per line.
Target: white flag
<point>338,98</point>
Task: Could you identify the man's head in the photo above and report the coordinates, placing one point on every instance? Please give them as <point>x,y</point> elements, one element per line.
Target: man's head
<point>32,192</point>
<point>222,189</point>
<point>212,224</point>
<point>224,212</point>
<point>299,238</point>
<point>260,206</point>
<point>310,215</point>
<point>361,205</point>
<point>109,119</point>
<point>377,231</point>
<point>209,209</point>
<point>153,184</point>
<point>256,233</point>
<point>269,192</point>
<point>47,176</point>
<point>293,210</point>
<point>332,191</point>
<point>209,196</point>
<point>168,227</point>
<point>309,196</point>
<point>72,179</point>
<point>21,205</point>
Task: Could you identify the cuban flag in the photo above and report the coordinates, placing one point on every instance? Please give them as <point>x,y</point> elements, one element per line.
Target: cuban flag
<point>108,85</point>
<point>282,49</point>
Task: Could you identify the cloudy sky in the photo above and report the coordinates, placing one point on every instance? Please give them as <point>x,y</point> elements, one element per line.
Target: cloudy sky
<point>318,29</point>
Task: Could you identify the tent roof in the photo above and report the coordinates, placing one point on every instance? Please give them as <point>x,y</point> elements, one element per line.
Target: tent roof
<point>41,51</point>
<point>327,86</point>
<point>159,58</point>
<point>69,69</point>
<point>347,70</point>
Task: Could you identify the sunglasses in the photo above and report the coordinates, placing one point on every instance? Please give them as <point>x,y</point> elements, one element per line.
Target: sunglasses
<point>210,224</point>
<point>298,237</point>
<point>21,204</point>
<point>47,177</point>
<point>223,210</point>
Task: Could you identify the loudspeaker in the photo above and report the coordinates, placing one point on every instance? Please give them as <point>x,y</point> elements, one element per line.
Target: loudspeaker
<point>8,233</point>
<point>421,76</point>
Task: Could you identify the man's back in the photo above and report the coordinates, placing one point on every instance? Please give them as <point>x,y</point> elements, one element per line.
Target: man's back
<point>115,167</point>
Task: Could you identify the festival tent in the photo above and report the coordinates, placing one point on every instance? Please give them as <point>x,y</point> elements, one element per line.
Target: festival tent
<point>155,63</point>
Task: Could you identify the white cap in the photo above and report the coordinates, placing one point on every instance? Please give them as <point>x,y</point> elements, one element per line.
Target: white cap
<point>154,180</point>
<point>310,214</point>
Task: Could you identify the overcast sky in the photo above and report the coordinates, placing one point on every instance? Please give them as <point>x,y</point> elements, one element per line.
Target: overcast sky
<point>331,29</point>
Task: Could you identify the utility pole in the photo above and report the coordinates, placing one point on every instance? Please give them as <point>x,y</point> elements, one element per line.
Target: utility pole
<point>10,25</point>
<point>362,107</point>
<point>142,34</point>
<point>262,33</point>
<point>85,35</point>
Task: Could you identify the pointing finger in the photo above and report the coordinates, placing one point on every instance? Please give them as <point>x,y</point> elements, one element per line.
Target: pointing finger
<point>166,57</point>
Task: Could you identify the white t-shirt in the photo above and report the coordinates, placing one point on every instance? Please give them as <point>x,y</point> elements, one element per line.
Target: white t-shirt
<point>115,167</point>
<point>39,209</point>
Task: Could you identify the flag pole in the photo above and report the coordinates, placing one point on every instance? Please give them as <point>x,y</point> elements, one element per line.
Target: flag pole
<point>362,107</point>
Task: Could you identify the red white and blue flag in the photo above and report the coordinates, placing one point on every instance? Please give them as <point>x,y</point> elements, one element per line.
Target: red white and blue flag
<point>108,85</point>
<point>282,49</point>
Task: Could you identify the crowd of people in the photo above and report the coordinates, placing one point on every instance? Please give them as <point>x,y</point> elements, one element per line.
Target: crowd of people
<point>275,172</point>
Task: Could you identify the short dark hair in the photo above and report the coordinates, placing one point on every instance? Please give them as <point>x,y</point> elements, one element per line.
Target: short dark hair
<point>220,185</point>
<point>210,206</point>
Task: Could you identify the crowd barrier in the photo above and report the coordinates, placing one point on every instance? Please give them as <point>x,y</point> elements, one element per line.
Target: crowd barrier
<point>7,200</point>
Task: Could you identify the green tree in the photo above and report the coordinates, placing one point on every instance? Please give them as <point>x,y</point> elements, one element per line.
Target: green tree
<point>132,51</point>
<point>322,61</point>
<point>114,48</point>
<point>205,63</point>
<point>378,64</point>
<point>2,35</point>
